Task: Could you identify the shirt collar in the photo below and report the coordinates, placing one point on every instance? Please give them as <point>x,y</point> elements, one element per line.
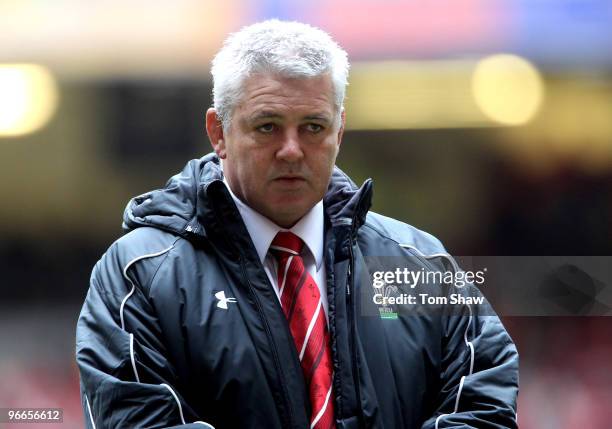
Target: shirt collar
<point>310,228</point>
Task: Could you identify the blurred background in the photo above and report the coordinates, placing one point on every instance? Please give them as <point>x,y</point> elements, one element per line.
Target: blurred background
<point>487,123</point>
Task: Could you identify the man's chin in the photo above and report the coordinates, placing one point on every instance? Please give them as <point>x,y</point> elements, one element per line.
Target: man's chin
<point>288,214</point>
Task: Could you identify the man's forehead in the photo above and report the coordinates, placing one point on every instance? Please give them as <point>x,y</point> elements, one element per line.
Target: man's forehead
<point>274,97</point>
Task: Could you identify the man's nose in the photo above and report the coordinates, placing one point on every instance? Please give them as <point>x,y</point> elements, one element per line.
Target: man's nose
<point>291,149</point>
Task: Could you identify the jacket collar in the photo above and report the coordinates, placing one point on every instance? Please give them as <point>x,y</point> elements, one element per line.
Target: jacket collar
<point>196,203</point>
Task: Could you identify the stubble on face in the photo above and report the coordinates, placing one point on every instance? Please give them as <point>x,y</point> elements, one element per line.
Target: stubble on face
<point>282,145</point>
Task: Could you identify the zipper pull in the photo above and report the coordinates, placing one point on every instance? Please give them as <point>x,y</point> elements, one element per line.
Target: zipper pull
<point>348,282</point>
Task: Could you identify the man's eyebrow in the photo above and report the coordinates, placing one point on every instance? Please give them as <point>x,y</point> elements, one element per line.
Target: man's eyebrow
<point>264,115</point>
<point>318,117</point>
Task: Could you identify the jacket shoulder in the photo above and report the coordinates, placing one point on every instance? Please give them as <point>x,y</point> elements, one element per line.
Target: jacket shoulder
<point>143,241</point>
<point>138,254</point>
<point>404,234</point>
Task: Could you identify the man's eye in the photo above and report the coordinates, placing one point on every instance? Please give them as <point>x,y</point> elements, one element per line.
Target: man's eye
<point>314,128</point>
<point>266,128</point>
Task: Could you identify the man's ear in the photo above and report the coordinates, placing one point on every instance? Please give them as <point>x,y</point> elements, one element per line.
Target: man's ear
<point>342,123</point>
<point>214,129</point>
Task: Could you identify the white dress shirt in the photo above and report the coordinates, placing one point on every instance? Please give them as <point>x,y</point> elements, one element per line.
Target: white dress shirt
<point>310,229</point>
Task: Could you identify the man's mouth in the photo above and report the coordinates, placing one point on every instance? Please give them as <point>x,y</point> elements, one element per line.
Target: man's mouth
<point>290,176</point>
<point>289,179</point>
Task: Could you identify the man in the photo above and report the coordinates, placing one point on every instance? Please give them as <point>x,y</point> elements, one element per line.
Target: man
<point>240,296</point>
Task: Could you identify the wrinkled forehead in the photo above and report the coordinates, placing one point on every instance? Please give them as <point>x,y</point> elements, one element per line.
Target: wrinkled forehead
<point>266,94</point>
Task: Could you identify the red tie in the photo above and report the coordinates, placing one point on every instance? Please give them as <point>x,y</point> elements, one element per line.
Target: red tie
<point>301,302</point>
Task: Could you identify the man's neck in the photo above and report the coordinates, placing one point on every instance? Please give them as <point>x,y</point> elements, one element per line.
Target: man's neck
<point>262,230</point>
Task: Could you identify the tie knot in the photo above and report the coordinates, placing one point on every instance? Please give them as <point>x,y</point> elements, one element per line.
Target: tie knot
<point>286,243</point>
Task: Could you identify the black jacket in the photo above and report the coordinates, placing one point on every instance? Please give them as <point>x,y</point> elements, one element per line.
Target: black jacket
<point>156,348</point>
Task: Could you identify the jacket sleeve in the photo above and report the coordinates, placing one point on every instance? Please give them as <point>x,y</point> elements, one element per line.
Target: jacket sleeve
<point>126,378</point>
<point>479,372</point>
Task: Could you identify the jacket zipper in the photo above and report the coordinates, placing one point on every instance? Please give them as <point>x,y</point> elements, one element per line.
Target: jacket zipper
<point>352,322</point>
<point>269,334</point>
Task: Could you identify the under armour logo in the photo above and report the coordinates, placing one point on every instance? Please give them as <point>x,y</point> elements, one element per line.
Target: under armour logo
<point>223,300</point>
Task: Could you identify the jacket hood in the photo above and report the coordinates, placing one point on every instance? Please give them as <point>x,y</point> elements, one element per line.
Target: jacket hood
<point>175,207</point>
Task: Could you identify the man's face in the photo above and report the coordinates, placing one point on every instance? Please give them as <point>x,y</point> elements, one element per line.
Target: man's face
<point>280,149</point>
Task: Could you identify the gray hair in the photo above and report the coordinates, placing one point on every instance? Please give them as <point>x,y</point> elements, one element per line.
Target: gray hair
<point>290,49</point>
